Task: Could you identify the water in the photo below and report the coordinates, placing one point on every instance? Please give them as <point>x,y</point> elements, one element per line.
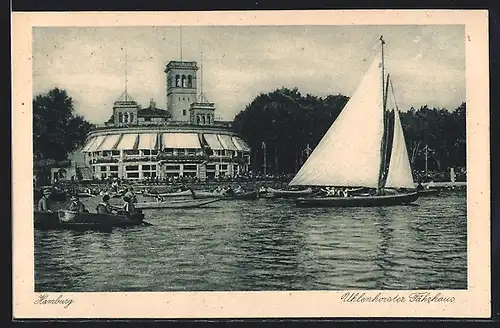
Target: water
<point>265,245</point>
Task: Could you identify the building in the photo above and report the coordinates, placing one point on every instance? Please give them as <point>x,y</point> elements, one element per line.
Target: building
<point>183,140</point>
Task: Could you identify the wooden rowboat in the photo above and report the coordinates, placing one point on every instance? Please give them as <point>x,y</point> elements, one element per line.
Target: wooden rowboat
<point>233,196</point>
<point>279,193</point>
<point>170,194</point>
<point>76,219</point>
<point>189,203</point>
<point>45,220</point>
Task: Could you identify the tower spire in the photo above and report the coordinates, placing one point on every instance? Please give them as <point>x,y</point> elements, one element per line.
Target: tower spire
<point>201,78</point>
<point>181,41</point>
<point>126,80</point>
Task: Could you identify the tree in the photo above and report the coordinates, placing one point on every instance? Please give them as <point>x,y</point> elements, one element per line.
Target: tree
<point>288,122</point>
<point>57,131</point>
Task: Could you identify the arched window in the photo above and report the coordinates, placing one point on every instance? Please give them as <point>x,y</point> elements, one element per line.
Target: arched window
<point>190,81</point>
<point>120,118</point>
<point>184,81</point>
<point>131,117</point>
<point>198,119</point>
<point>203,119</point>
<point>177,81</point>
<point>208,119</point>
<point>125,118</point>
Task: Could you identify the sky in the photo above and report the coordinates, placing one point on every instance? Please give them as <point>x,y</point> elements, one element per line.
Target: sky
<point>426,62</point>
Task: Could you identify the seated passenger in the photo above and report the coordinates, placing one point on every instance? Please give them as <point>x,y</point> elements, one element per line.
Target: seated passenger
<point>104,207</point>
<point>76,205</point>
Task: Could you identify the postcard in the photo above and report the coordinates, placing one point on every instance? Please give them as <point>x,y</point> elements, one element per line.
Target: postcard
<point>251,164</point>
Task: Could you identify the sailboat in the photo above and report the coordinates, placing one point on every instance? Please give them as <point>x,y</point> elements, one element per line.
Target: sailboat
<point>357,163</point>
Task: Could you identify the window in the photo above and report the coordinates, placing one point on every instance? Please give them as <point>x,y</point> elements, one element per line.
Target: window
<point>184,81</point>
<point>105,153</point>
<point>147,119</point>
<point>223,167</point>
<point>172,167</point>
<point>146,167</point>
<point>183,99</point>
<point>120,117</point>
<point>131,152</point>
<point>208,119</point>
<point>190,167</point>
<point>191,152</point>
<point>132,175</point>
<point>113,168</point>
<point>132,117</point>
<point>115,152</point>
<point>190,81</point>
<point>125,118</point>
<point>211,167</point>
<point>184,112</point>
<point>235,168</point>
<point>172,175</point>
<point>197,119</point>
<point>177,81</point>
<point>203,119</point>
<point>132,167</point>
<point>189,174</point>
<point>179,98</point>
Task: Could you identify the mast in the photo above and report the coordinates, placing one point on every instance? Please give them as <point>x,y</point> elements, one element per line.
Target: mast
<point>201,78</point>
<point>382,143</point>
<point>126,94</point>
<point>180,37</point>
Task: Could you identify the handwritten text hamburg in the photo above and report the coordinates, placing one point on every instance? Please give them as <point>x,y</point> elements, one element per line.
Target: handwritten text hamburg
<point>422,297</point>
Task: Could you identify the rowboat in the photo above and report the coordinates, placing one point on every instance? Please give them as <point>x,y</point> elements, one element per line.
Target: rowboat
<point>72,219</point>
<point>226,196</point>
<point>170,194</point>
<point>84,194</point>
<point>280,193</point>
<point>45,220</point>
<point>375,158</point>
<point>247,195</point>
<point>174,204</point>
<point>428,192</point>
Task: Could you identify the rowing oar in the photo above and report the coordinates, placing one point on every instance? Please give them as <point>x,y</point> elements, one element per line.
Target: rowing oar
<point>146,223</point>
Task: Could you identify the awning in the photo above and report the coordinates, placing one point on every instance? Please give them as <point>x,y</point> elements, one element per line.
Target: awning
<point>213,141</point>
<point>96,144</point>
<point>109,143</point>
<point>227,142</point>
<point>181,140</point>
<point>147,141</point>
<point>240,144</point>
<point>89,144</point>
<point>127,141</point>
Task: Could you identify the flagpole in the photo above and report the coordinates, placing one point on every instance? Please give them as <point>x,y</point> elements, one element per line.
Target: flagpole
<point>265,158</point>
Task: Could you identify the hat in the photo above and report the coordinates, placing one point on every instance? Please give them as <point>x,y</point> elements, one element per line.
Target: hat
<point>105,197</point>
<point>74,197</point>
<point>46,192</point>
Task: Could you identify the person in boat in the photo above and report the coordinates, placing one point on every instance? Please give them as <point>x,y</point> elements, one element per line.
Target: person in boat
<point>345,192</point>
<point>76,205</point>
<point>159,199</point>
<point>229,191</point>
<point>263,189</point>
<point>420,187</point>
<point>239,190</point>
<point>44,202</point>
<point>130,194</point>
<point>104,207</point>
<point>129,207</point>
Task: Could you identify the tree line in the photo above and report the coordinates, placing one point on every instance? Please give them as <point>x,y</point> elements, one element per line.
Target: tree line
<point>57,129</point>
<point>285,124</point>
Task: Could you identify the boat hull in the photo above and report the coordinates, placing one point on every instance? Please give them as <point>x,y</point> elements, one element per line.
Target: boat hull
<point>276,193</point>
<point>171,194</point>
<point>243,196</point>
<point>175,204</point>
<point>45,220</point>
<point>70,219</point>
<point>358,201</point>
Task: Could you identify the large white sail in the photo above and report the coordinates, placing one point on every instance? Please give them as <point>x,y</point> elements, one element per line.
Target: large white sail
<point>399,174</point>
<point>349,152</point>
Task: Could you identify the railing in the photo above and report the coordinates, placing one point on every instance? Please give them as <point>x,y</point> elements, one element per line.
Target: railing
<point>165,123</point>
